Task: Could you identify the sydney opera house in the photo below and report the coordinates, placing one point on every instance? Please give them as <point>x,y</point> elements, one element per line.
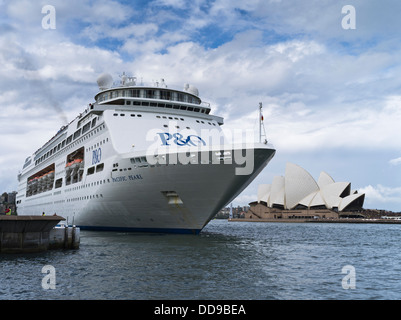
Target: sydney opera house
<point>299,195</point>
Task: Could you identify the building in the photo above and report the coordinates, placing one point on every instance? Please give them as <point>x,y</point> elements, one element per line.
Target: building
<point>237,212</point>
<point>299,195</point>
<point>7,201</point>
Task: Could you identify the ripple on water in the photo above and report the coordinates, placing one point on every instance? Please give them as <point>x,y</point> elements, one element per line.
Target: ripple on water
<point>226,261</point>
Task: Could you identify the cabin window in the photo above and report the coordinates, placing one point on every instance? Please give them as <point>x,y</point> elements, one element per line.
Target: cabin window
<point>86,127</point>
<point>69,139</point>
<point>59,183</point>
<point>77,134</point>
<point>100,167</point>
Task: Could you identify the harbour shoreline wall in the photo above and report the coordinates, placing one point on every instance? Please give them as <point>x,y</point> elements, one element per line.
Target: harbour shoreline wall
<point>25,234</point>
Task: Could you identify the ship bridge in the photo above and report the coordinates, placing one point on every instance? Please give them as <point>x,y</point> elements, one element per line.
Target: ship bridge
<point>131,93</point>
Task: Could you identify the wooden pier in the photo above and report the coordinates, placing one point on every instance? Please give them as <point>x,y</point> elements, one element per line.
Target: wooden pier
<point>20,234</point>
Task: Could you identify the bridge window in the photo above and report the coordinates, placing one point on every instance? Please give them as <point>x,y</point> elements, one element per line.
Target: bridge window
<point>150,94</point>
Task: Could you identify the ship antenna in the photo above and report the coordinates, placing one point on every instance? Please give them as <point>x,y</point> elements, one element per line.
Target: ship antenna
<point>261,125</point>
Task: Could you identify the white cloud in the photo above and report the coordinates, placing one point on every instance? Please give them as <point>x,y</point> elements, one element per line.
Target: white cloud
<point>381,194</point>
<point>395,161</point>
<point>321,88</point>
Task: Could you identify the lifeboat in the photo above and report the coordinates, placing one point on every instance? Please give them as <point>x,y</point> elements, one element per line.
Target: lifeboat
<point>69,164</point>
<point>68,167</point>
<point>77,163</point>
<point>73,164</point>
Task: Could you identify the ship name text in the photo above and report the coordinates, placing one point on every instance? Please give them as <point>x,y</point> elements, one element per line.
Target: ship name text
<point>179,139</point>
<point>127,178</point>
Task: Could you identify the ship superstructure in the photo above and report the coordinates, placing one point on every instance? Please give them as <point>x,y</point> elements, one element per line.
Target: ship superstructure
<point>142,157</point>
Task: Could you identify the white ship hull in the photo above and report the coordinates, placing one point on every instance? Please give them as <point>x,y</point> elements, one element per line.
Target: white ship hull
<point>136,200</point>
<point>99,179</point>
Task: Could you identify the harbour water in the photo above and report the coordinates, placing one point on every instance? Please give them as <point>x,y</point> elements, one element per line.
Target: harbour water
<point>227,261</point>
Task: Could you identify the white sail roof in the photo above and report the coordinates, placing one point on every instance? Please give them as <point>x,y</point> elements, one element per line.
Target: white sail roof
<point>277,192</point>
<point>324,179</point>
<point>308,199</point>
<point>331,193</point>
<point>298,187</point>
<point>317,201</point>
<point>264,192</point>
<point>345,202</point>
<point>298,184</point>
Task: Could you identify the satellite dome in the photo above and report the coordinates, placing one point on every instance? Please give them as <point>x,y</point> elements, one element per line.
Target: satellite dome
<point>104,81</point>
<point>193,90</point>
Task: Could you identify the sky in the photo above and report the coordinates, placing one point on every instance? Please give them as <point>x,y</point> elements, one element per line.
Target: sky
<point>331,91</point>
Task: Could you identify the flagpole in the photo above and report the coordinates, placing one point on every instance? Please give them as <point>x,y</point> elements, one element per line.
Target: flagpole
<point>260,122</point>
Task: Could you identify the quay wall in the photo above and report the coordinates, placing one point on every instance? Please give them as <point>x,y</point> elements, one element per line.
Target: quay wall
<point>24,234</point>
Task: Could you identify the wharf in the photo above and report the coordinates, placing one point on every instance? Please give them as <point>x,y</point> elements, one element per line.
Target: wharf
<point>21,234</point>
<point>342,220</point>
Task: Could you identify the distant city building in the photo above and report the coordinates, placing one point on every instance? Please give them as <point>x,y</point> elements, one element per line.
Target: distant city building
<point>11,197</point>
<point>237,212</point>
<point>7,201</point>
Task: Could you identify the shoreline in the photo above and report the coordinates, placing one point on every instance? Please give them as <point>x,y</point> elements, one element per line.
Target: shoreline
<point>343,220</point>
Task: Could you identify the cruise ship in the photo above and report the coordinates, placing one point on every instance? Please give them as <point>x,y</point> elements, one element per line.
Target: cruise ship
<point>141,157</point>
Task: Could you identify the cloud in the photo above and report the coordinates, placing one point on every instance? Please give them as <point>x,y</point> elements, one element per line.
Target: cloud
<point>382,194</point>
<point>323,89</point>
<point>395,161</point>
